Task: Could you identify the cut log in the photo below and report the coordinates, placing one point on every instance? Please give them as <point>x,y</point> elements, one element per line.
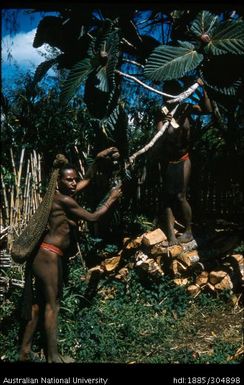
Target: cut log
<point>216,276</point>
<point>189,257</point>
<point>190,245</point>
<point>110,264</point>
<point>151,267</point>
<point>153,237</point>
<point>193,290</point>
<point>122,274</point>
<point>175,251</point>
<point>239,258</point>
<point>202,278</point>
<point>178,268</point>
<point>158,249</point>
<point>140,257</point>
<point>130,243</point>
<point>209,287</point>
<point>224,284</point>
<point>180,281</point>
<point>93,272</point>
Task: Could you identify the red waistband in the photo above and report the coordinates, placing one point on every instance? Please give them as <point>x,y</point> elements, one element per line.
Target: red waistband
<point>184,157</point>
<point>54,249</point>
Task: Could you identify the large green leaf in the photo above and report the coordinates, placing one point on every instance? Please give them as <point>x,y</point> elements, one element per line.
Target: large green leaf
<point>113,56</point>
<point>76,76</point>
<point>205,22</point>
<point>42,69</point>
<point>102,78</point>
<point>167,63</point>
<point>227,38</point>
<point>106,74</point>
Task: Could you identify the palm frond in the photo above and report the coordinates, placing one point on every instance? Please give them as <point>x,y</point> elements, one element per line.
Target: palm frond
<point>205,23</point>
<point>42,69</point>
<point>227,38</point>
<point>76,76</point>
<point>167,62</point>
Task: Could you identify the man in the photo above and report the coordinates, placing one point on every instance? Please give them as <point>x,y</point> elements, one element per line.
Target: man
<point>49,261</point>
<point>177,167</point>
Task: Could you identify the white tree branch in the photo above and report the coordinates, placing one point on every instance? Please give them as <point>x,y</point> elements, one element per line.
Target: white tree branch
<point>149,145</point>
<point>175,98</point>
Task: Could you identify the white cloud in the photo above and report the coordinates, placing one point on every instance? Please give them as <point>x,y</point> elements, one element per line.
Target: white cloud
<point>20,47</point>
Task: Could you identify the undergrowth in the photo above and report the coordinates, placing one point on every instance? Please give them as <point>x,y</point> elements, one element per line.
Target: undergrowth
<point>137,321</point>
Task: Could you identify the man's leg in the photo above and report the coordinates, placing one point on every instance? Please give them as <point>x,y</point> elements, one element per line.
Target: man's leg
<point>28,333</point>
<point>168,202</point>
<point>45,267</point>
<point>169,218</point>
<point>183,204</point>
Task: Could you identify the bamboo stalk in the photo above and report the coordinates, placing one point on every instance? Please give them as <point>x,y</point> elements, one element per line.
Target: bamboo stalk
<point>37,194</point>
<point>11,205</point>
<point>33,184</point>
<point>6,205</point>
<point>26,191</point>
<point>39,176</point>
<point>13,165</point>
<point>27,210</point>
<point>18,192</point>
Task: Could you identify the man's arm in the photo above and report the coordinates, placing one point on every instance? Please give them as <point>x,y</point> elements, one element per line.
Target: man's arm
<point>205,105</point>
<point>72,208</point>
<point>111,153</point>
<point>82,184</point>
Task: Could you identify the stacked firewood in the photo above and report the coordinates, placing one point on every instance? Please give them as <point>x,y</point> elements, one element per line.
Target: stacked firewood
<point>187,264</point>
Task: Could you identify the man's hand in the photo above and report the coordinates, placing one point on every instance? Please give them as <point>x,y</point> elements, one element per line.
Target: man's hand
<point>109,153</point>
<point>167,118</point>
<point>115,193</point>
<point>200,82</point>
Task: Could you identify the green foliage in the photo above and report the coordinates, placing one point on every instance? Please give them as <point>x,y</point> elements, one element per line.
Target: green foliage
<point>228,37</point>
<point>167,63</point>
<point>77,74</point>
<point>10,326</point>
<point>205,22</point>
<point>211,37</point>
<point>137,224</point>
<point>239,249</point>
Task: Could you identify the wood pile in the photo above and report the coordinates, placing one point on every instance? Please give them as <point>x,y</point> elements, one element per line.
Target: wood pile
<point>187,264</point>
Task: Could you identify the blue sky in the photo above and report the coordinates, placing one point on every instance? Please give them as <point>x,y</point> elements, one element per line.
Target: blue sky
<point>23,57</point>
